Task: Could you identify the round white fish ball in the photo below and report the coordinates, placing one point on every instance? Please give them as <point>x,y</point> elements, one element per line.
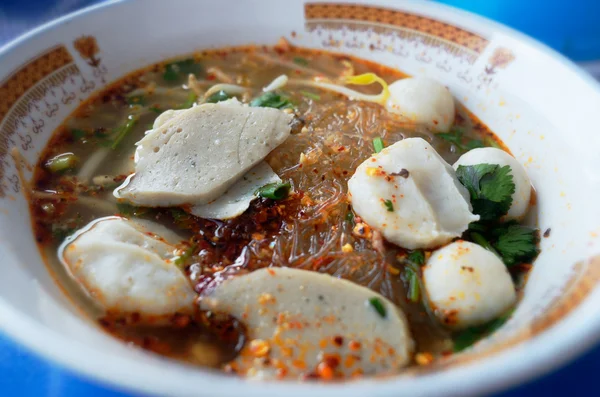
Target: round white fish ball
<point>424,101</point>
<point>467,285</point>
<point>489,155</point>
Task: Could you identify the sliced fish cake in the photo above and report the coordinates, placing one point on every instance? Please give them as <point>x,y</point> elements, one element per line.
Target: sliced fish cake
<point>194,156</point>
<point>302,323</point>
<point>237,199</point>
<point>125,268</point>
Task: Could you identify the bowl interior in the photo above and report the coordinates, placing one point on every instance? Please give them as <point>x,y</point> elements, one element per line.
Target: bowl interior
<point>530,97</point>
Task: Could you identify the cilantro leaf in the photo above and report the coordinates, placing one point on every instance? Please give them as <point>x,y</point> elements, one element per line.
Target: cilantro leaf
<point>389,205</point>
<point>474,144</point>
<point>300,61</point>
<point>469,336</point>
<point>218,97</point>
<point>271,100</point>
<point>175,70</point>
<point>455,136</point>
<point>417,257</point>
<point>78,133</point>
<point>516,244</point>
<point>129,210</point>
<point>490,186</point>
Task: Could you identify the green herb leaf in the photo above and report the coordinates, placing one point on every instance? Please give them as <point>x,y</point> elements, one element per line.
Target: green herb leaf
<point>175,70</point>
<point>78,134</point>
<point>517,244</point>
<point>389,205</point>
<point>300,61</point>
<point>128,210</point>
<point>376,303</point>
<point>490,187</point>
<point>311,95</point>
<point>378,144</point>
<point>191,100</point>
<point>350,217</point>
<point>62,163</point>
<point>60,232</point>
<point>123,131</point>
<point>414,288</point>
<point>218,97</point>
<point>455,136</point>
<point>271,100</point>
<point>275,191</point>
<point>474,144</point>
<point>136,100</point>
<point>479,239</point>
<point>182,219</point>
<point>417,257</point>
<point>469,336</point>
<point>155,109</point>
<point>185,256</point>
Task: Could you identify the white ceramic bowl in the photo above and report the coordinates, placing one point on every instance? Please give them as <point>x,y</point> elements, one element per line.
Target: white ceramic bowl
<point>542,106</point>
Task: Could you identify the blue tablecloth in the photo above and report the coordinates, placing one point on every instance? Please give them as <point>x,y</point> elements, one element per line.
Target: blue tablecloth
<point>24,374</point>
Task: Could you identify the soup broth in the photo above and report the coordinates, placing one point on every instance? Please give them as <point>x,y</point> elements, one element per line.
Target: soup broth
<point>314,228</point>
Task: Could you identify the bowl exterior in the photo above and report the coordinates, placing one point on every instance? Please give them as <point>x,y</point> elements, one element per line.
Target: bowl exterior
<point>539,104</point>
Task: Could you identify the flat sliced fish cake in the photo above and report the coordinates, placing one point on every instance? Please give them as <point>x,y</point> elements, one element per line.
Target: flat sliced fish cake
<point>300,322</point>
<point>194,156</point>
<point>236,200</point>
<point>126,268</point>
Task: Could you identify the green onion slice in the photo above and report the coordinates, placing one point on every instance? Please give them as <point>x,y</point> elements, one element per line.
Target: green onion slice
<point>275,191</point>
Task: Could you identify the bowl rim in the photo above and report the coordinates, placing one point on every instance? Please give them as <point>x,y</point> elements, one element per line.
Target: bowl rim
<point>554,347</point>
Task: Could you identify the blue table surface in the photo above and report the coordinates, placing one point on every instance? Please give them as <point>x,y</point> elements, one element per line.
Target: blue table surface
<point>24,374</point>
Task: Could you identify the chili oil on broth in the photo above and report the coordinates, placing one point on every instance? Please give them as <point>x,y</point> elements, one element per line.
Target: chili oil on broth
<point>313,229</point>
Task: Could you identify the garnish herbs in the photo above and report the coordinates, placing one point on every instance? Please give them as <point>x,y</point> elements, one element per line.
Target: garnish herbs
<point>123,131</point>
<point>311,95</point>
<point>417,257</point>
<point>378,144</point>
<point>175,70</point>
<point>455,136</point>
<point>275,191</point>
<point>378,306</point>
<point>491,188</point>
<point>271,100</point>
<point>300,61</point>
<point>190,101</point>
<point>218,97</point>
<point>62,163</point>
<point>389,205</point>
<point>129,210</point>
<point>185,256</point>
<point>512,242</point>
<point>469,336</point>
<point>516,244</point>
